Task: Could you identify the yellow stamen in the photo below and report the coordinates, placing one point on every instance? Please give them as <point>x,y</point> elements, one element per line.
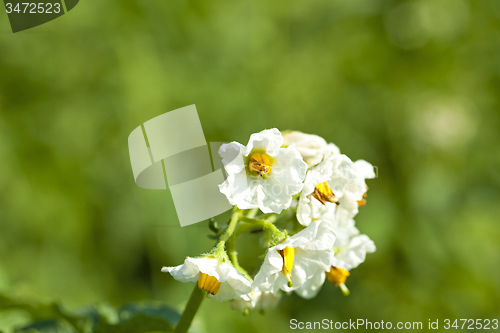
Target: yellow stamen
<point>208,283</point>
<point>337,276</point>
<point>288,255</point>
<point>261,164</point>
<point>323,193</point>
<point>362,202</point>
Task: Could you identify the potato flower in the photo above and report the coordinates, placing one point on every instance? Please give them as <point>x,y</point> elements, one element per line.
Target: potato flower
<point>297,260</point>
<point>262,174</point>
<point>220,279</point>
<point>313,148</point>
<point>336,181</point>
<point>257,299</point>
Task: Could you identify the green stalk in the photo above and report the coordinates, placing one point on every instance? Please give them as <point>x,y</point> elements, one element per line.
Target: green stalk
<point>252,212</point>
<point>198,295</point>
<point>233,256</point>
<point>192,307</point>
<point>277,236</point>
<point>265,223</point>
<point>232,224</point>
<point>244,227</point>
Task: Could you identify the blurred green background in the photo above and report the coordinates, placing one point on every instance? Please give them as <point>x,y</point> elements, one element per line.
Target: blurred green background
<point>411,86</point>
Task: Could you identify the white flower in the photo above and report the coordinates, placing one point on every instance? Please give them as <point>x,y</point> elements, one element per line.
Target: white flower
<point>350,247</point>
<point>347,257</point>
<point>267,300</point>
<point>298,260</point>
<point>344,228</point>
<point>335,181</point>
<point>352,254</point>
<point>313,148</point>
<point>350,251</point>
<point>256,299</point>
<point>323,186</point>
<point>262,174</point>
<point>220,279</point>
<point>354,196</point>
<point>244,304</point>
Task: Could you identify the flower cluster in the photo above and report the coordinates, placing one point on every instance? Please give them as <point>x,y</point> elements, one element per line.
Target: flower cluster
<point>299,195</point>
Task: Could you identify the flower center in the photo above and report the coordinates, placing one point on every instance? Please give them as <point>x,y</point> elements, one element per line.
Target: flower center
<point>323,193</point>
<point>208,283</point>
<point>288,255</point>
<point>337,276</point>
<point>261,164</point>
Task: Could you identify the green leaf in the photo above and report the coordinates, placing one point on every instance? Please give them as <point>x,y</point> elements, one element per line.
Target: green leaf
<point>140,323</point>
<point>45,314</point>
<point>142,317</point>
<point>153,309</point>
<point>47,326</point>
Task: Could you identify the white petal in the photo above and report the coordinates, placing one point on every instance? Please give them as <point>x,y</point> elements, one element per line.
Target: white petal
<point>268,140</point>
<point>313,148</point>
<point>317,236</point>
<point>273,263</point>
<point>323,239</point>
<point>268,300</point>
<point>347,181</point>
<point>312,254</point>
<point>236,286</point>
<point>312,286</point>
<point>344,230</point>
<point>364,169</point>
<point>233,283</point>
<point>247,301</point>
<point>354,253</point>
<point>248,190</point>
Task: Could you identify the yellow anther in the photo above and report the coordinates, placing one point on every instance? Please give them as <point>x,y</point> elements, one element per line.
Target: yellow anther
<point>288,255</point>
<point>337,276</point>
<point>208,283</point>
<point>261,164</point>
<point>362,202</point>
<point>323,193</point>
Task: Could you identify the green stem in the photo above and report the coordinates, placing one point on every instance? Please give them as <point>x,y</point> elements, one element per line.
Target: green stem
<point>244,227</point>
<point>230,228</point>
<point>252,212</point>
<point>219,251</point>
<point>267,223</point>
<point>344,289</point>
<point>264,216</point>
<point>192,307</point>
<point>276,234</point>
<point>233,257</point>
